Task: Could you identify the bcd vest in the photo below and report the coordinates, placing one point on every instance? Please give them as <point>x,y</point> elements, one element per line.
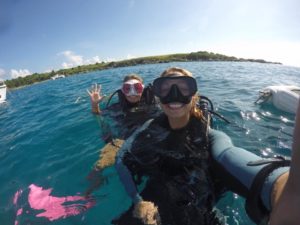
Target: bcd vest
<point>147,100</point>
<point>178,164</point>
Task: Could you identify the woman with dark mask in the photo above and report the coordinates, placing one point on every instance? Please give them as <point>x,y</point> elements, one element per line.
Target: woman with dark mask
<point>185,166</point>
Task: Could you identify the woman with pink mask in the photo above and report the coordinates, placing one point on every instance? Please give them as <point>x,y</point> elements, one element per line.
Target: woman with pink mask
<point>136,104</point>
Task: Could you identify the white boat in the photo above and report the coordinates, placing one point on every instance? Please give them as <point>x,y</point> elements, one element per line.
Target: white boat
<point>58,76</point>
<point>285,98</point>
<point>2,91</point>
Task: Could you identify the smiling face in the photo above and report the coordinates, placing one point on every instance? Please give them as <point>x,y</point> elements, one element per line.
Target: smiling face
<point>176,89</point>
<point>133,98</point>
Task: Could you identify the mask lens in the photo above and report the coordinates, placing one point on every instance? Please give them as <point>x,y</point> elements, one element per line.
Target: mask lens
<point>126,88</point>
<point>138,88</point>
<point>164,90</point>
<point>132,88</point>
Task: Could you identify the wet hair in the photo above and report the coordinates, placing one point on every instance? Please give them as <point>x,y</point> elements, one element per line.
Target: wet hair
<point>132,77</point>
<point>176,70</point>
<point>195,111</point>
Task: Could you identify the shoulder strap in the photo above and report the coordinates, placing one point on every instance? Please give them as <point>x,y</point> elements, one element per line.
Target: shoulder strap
<point>126,147</point>
<point>254,206</point>
<point>112,95</point>
<point>122,99</point>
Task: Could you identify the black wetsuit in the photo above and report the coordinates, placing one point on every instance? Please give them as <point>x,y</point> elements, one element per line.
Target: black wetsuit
<point>177,165</point>
<point>129,116</point>
<point>189,169</point>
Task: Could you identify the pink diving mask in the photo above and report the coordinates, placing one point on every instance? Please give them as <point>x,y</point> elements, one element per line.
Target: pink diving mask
<point>132,87</point>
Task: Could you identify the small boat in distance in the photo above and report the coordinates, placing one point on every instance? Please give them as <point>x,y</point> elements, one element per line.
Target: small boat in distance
<point>2,91</point>
<point>58,76</point>
<point>285,97</point>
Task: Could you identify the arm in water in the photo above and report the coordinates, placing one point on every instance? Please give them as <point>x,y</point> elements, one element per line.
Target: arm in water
<point>106,158</point>
<point>146,211</point>
<point>286,191</point>
<point>96,98</point>
<point>108,152</point>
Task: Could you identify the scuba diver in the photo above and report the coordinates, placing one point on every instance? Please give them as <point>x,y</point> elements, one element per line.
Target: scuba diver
<point>175,167</point>
<point>136,104</point>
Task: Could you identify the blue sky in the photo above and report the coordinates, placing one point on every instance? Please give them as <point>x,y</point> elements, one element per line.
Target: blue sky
<point>45,35</point>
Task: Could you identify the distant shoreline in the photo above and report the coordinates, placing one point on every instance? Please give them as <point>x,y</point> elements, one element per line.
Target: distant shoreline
<point>180,57</point>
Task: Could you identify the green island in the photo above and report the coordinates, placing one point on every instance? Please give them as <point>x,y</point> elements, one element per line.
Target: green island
<point>180,57</point>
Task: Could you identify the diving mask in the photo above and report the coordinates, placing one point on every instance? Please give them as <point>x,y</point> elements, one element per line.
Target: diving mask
<point>132,87</point>
<point>175,89</point>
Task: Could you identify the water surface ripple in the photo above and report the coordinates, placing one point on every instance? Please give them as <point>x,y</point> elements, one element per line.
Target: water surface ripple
<point>49,138</point>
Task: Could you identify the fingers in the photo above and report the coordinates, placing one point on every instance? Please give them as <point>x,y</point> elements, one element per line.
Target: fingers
<point>99,88</point>
<point>90,94</point>
<point>96,88</point>
<point>147,212</point>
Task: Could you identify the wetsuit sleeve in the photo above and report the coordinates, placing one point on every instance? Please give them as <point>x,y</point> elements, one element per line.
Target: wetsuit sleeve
<point>125,157</point>
<point>230,163</point>
<point>126,177</point>
<point>106,132</point>
<point>104,120</point>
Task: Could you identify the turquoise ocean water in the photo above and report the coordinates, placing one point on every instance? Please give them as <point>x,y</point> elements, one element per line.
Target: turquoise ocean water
<point>49,137</point>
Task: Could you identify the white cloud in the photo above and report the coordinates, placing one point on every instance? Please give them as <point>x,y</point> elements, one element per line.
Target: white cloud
<point>73,59</point>
<point>19,73</point>
<point>287,53</point>
<point>2,74</point>
<point>129,56</point>
<point>48,70</point>
<point>109,60</point>
<point>95,59</point>
<point>67,65</point>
